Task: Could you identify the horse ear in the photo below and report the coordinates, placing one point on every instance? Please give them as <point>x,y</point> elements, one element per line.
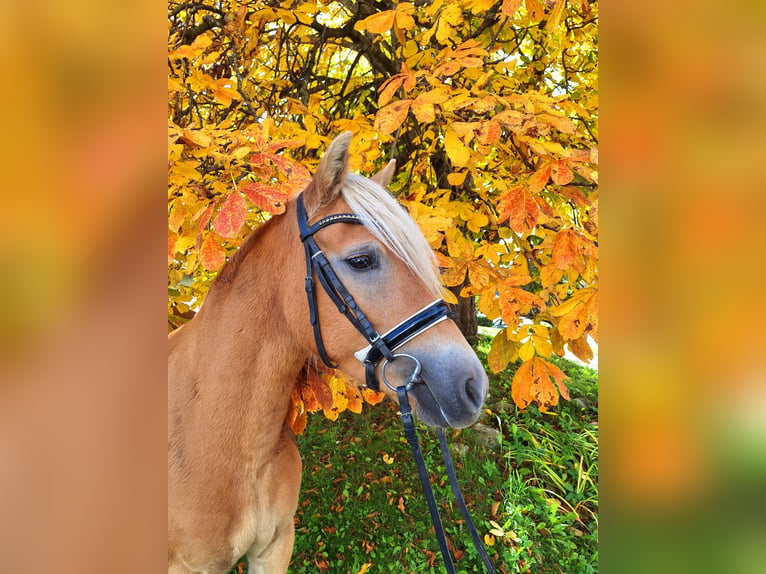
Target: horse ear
<point>326,184</point>
<point>385,175</point>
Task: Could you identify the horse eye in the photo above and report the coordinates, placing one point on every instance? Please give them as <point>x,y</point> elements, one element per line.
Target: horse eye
<point>361,262</point>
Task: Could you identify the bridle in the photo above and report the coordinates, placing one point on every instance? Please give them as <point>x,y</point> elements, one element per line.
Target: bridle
<point>383,347</point>
<point>379,346</point>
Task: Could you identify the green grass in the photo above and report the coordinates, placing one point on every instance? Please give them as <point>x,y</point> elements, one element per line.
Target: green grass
<point>536,488</point>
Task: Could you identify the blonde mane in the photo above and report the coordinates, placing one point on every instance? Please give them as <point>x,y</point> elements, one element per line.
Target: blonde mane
<point>390,223</point>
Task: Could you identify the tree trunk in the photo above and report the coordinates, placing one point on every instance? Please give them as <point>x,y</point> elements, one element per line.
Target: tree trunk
<point>465,311</point>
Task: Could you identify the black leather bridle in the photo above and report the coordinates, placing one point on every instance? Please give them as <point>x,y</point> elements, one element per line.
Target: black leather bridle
<point>380,346</point>
<point>383,347</point>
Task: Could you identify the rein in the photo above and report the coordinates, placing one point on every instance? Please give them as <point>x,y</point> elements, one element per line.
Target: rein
<point>382,347</point>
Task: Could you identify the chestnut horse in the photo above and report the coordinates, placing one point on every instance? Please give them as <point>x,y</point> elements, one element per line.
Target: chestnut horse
<point>234,471</point>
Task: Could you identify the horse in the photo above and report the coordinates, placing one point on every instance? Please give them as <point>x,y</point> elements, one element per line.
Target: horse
<point>234,470</point>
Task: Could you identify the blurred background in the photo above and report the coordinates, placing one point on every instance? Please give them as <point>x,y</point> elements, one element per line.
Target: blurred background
<point>82,321</point>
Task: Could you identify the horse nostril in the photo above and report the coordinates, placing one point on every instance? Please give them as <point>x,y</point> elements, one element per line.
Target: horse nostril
<point>473,392</point>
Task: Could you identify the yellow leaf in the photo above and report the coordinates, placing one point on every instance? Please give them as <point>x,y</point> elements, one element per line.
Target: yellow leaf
<point>458,153</point>
<point>501,352</point>
<point>526,351</point>
<point>449,296</point>
<point>387,458</point>
<point>554,19</point>
<point>489,540</point>
<point>457,178</point>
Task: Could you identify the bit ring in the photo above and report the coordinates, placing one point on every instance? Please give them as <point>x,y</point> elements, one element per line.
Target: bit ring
<point>412,378</point>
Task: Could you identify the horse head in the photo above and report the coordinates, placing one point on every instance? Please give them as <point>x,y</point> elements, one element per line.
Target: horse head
<point>367,258</point>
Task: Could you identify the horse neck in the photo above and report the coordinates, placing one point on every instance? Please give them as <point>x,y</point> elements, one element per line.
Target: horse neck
<point>243,357</point>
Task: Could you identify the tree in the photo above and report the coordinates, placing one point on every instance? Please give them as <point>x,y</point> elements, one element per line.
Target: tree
<point>490,109</point>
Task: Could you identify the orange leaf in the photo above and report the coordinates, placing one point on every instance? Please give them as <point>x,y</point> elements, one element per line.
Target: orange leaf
<point>232,216</point>
<point>172,238</point>
<point>520,209</point>
<point>372,397</point>
<point>540,178</point>
<point>268,197</point>
<point>521,385</point>
<point>565,249</point>
<point>321,389</point>
<point>377,23</point>
<point>532,382</point>
<point>388,89</point>
<point>490,132</point>
<point>389,118</point>
<point>555,373</point>
<point>354,398</point>
<point>296,413</point>
<point>535,11</point>
<point>560,173</point>
<point>310,400</point>
<point>510,6</point>
<point>212,255</point>
<point>581,349</point>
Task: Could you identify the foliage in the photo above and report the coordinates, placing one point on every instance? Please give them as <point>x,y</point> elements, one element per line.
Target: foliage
<point>490,109</point>
<point>533,494</point>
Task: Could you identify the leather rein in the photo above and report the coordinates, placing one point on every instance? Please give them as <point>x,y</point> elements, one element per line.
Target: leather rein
<point>383,347</point>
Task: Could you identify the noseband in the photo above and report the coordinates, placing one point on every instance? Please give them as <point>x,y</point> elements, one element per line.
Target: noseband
<point>383,347</point>
<point>380,346</point>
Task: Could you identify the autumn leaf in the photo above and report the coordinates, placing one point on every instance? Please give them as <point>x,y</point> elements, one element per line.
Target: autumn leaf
<point>172,239</point>
<point>224,91</point>
<point>535,10</point>
<point>267,197</point>
<point>354,398</point>
<point>389,118</point>
<point>554,19</point>
<point>377,23</point>
<point>520,208</point>
<point>212,255</point>
<point>232,216</point>
<point>540,178</point>
<point>458,153</point>
<point>372,397</point>
<point>532,383</point>
<point>296,413</point>
<point>501,352</point>
<point>509,7</point>
<point>560,173</point>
